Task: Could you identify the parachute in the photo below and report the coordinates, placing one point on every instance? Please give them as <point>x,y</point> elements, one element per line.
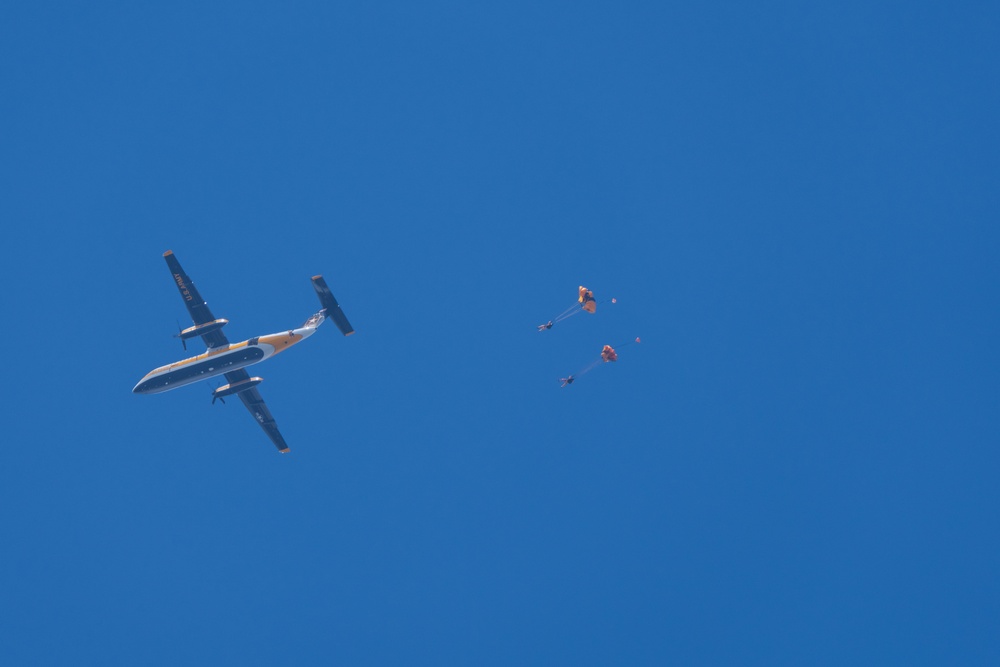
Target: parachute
<point>585,302</point>
<point>608,354</point>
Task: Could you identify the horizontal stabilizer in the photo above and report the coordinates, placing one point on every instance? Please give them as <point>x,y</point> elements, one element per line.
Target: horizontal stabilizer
<point>330,306</point>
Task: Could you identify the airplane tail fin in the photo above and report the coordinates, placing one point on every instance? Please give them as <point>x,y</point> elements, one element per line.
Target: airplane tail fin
<point>331,308</point>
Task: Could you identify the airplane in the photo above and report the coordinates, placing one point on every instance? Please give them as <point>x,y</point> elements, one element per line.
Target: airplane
<point>231,359</point>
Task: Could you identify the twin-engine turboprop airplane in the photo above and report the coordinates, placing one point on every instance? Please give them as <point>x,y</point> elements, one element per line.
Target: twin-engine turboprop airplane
<point>224,358</point>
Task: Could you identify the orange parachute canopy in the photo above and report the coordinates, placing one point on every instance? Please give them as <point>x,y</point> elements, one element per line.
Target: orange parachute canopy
<point>609,354</point>
<point>587,300</point>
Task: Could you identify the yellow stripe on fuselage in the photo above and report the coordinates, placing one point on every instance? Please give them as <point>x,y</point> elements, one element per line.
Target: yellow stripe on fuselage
<point>205,355</point>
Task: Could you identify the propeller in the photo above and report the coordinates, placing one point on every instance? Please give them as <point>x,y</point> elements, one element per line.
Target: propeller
<point>178,335</point>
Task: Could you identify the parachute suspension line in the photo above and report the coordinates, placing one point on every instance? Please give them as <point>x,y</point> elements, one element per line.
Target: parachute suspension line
<point>566,316</point>
<point>569,312</point>
<point>591,366</point>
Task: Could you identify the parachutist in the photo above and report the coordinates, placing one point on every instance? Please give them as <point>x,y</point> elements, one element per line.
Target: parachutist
<point>608,354</point>
<point>547,325</point>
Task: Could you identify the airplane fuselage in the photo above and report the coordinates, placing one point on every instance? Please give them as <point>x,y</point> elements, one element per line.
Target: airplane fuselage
<point>219,360</point>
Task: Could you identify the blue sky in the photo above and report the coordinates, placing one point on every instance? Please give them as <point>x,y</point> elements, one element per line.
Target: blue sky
<point>794,205</point>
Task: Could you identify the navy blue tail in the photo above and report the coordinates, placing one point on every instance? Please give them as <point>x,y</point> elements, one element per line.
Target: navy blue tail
<point>331,308</point>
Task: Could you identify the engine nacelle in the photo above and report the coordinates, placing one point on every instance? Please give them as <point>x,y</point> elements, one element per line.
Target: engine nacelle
<point>236,387</point>
<point>202,329</point>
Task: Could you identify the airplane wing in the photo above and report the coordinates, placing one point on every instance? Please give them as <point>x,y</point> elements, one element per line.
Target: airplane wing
<point>196,306</point>
<point>255,404</point>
